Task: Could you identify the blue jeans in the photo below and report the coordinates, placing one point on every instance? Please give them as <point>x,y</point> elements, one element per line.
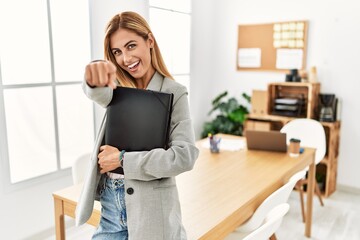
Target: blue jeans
<point>113,224</point>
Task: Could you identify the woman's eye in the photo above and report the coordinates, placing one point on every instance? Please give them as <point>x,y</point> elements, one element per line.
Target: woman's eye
<point>131,46</point>
<point>116,52</point>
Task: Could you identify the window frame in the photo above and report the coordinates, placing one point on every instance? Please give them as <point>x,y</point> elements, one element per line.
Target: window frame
<point>5,172</point>
<point>171,10</point>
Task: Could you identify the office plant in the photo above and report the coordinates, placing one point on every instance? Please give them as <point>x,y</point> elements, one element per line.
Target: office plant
<point>229,115</point>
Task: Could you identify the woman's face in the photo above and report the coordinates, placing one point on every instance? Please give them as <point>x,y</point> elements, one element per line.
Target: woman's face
<point>132,53</point>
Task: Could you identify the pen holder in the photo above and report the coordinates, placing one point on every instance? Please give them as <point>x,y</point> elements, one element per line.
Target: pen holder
<point>294,147</point>
<point>214,144</point>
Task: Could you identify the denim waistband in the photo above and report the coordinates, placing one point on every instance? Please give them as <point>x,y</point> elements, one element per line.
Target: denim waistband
<point>114,183</point>
<point>115,175</point>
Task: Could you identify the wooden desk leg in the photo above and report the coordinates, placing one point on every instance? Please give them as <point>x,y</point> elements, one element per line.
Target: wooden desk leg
<point>59,219</point>
<point>309,201</point>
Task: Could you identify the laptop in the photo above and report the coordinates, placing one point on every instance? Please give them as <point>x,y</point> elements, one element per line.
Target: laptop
<point>266,140</point>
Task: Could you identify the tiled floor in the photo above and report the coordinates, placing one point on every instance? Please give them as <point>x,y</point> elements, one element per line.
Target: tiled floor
<point>83,232</point>
<point>339,219</point>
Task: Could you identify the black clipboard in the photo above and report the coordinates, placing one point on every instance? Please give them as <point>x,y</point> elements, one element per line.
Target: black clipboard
<point>138,120</point>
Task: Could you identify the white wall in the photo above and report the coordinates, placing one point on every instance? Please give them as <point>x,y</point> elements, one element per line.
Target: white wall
<point>27,211</point>
<point>333,47</point>
<point>202,43</point>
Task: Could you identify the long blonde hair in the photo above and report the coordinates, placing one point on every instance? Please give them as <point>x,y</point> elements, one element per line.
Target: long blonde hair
<point>133,22</point>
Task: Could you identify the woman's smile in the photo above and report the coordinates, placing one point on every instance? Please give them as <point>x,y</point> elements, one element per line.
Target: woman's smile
<point>133,67</point>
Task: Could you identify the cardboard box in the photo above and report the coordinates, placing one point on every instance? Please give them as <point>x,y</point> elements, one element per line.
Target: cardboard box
<point>259,102</point>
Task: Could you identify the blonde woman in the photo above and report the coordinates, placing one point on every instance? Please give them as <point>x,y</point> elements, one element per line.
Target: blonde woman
<point>142,203</point>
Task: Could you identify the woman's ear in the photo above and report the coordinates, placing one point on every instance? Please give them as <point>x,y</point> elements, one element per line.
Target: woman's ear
<point>151,40</point>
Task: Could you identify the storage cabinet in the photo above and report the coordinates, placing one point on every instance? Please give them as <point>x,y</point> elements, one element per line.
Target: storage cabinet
<point>326,170</point>
<point>293,99</point>
<point>330,162</point>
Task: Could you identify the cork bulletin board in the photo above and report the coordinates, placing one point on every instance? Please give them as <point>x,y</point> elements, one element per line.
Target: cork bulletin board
<point>272,47</point>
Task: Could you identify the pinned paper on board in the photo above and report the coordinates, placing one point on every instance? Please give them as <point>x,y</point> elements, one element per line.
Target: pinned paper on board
<point>289,58</point>
<point>289,35</point>
<point>249,57</point>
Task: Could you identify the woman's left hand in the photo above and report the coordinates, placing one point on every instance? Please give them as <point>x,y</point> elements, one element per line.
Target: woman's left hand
<point>108,158</point>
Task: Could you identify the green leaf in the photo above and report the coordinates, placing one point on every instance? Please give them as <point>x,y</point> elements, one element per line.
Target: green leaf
<point>246,97</point>
<point>216,102</point>
<point>237,116</point>
<point>223,108</point>
<point>219,97</point>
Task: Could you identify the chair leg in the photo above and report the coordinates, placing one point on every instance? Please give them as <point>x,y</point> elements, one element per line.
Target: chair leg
<point>318,192</point>
<point>273,237</point>
<point>298,186</point>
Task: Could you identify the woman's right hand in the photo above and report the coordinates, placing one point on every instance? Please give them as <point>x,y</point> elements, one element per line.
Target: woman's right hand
<point>100,74</point>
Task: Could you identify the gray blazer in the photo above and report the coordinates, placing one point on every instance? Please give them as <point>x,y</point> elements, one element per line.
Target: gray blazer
<point>152,202</point>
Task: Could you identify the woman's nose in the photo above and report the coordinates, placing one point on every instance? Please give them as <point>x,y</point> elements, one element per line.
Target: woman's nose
<point>127,58</point>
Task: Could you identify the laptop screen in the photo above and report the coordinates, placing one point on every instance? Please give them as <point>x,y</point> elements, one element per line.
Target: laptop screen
<point>266,140</point>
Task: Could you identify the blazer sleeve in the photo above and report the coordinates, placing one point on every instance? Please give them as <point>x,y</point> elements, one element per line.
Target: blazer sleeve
<point>181,155</point>
<point>100,95</point>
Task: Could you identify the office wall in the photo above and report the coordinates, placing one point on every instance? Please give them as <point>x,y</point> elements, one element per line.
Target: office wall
<point>27,212</point>
<point>333,47</point>
<point>201,61</point>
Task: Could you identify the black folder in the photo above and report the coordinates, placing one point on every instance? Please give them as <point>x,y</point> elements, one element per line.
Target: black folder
<point>138,120</point>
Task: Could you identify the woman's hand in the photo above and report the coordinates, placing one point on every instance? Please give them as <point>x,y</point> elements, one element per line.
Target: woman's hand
<point>108,158</point>
<point>100,74</point>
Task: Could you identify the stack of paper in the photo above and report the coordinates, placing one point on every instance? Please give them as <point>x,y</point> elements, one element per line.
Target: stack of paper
<point>228,144</point>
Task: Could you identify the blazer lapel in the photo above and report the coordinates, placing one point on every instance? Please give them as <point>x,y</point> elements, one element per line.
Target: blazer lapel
<point>156,82</point>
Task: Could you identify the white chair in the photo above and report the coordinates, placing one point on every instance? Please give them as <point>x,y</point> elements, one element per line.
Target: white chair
<point>312,134</point>
<point>268,228</point>
<point>271,224</point>
<point>280,196</point>
<point>79,168</point>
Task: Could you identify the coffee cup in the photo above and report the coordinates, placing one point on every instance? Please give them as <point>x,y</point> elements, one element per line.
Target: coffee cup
<point>294,147</point>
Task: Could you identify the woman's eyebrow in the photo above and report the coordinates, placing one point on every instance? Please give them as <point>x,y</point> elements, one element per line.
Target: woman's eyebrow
<point>126,44</point>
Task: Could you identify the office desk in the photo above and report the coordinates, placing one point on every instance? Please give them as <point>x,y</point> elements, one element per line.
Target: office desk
<point>221,192</point>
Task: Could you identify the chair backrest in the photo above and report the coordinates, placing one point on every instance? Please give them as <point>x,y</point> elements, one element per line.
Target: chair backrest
<point>272,223</point>
<point>79,168</point>
<point>280,196</point>
<point>310,132</point>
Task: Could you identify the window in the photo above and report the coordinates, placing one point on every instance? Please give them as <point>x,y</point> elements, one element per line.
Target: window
<point>170,20</point>
<point>46,120</point>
